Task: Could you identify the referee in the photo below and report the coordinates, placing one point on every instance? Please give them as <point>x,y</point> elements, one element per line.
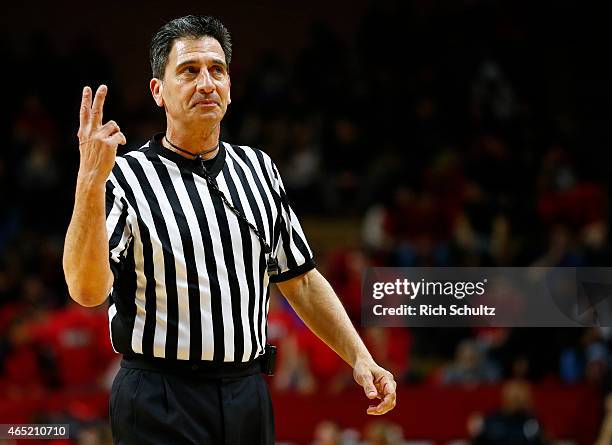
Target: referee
<point>184,236</point>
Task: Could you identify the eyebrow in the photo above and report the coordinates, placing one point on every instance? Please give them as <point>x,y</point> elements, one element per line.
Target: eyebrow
<point>196,62</point>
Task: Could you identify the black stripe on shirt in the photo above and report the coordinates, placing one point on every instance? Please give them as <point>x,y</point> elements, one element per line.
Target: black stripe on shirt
<point>247,256</point>
<point>193,288</point>
<point>211,266</point>
<point>228,255</point>
<point>147,254</point>
<point>169,265</point>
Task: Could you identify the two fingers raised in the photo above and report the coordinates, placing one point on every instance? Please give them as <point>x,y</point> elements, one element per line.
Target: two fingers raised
<point>91,114</point>
<point>90,117</point>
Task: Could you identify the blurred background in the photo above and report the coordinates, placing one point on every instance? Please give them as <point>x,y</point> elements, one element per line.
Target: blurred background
<point>409,133</point>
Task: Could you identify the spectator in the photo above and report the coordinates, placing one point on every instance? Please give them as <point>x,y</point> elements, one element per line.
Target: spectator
<point>513,424</point>
<point>327,433</point>
<point>470,367</point>
<point>383,433</point>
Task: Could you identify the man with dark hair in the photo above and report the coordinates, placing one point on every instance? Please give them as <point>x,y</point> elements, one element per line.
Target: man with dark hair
<point>186,27</point>
<point>184,236</point>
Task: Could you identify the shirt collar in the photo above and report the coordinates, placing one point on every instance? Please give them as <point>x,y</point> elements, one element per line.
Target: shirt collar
<point>190,164</point>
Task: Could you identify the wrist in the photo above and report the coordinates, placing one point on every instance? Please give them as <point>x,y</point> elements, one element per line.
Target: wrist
<point>90,183</point>
<point>363,358</point>
<point>90,180</point>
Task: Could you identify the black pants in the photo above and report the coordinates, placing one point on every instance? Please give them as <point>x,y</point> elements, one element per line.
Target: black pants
<point>155,407</point>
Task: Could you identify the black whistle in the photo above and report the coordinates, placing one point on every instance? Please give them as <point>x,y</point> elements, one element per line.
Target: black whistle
<point>273,268</point>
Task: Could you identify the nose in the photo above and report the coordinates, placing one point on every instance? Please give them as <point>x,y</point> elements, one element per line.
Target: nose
<point>205,82</point>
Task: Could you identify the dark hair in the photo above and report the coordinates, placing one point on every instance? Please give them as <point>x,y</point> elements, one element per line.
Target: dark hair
<point>190,26</point>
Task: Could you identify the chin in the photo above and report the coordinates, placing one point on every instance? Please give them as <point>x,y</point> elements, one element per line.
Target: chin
<point>209,115</point>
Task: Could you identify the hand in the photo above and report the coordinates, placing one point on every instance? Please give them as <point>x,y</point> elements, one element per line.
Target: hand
<point>97,142</point>
<point>377,383</point>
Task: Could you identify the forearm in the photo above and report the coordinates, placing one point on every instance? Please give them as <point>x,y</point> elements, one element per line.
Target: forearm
<point>316,303</point>
<point>86,259</point>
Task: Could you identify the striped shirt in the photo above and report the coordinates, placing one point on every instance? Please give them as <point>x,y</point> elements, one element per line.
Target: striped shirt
<point>190,280</point>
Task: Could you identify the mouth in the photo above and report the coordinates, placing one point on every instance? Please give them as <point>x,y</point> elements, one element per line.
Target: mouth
<point>206,103</point>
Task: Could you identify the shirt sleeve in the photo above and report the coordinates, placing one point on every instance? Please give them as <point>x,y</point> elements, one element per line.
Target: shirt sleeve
<point>117,228</point>
<point>292,250</point>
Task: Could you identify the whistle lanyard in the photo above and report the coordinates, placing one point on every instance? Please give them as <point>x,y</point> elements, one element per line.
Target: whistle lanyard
<point>271,263</point>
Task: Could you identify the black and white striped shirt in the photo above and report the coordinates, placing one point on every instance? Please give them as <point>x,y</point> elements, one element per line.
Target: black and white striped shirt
<point>190,279</point>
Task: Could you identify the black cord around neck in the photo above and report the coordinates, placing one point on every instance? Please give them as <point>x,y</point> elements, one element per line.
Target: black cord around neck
<point>195,155</point>
<point>272,263</point>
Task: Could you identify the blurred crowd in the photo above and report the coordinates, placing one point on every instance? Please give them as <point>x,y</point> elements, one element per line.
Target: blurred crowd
<point>452,135</point>
<point>503,426</point>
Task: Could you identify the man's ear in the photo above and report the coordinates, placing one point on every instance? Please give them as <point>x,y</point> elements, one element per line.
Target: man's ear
<point>229,91</point>
<point>157,88</point>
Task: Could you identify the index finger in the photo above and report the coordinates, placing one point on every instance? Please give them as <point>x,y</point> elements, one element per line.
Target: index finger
<point>386,385</point>
<point>386,388</point>
<point>85,107</point>
<point>386,405</point>
<point>98,105</point>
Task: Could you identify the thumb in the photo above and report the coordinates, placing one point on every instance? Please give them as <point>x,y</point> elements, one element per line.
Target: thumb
<point>366,380</point>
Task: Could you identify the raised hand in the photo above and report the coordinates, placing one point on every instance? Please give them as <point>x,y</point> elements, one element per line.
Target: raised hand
<point>97,143</point>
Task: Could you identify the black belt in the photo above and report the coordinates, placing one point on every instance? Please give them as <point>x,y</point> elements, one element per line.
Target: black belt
<point>193,368</point>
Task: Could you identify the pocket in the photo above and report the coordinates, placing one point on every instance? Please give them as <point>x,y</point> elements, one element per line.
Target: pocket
<point>165,392</point>
<point>118,408</point>
<point>134,396</point>
<point>266,411</point>
<point>115,389</point>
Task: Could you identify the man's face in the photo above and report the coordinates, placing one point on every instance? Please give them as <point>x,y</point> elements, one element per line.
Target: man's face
<point>196,86</point>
